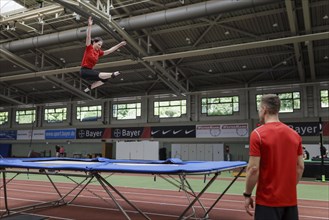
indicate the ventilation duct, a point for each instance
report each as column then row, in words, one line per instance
column 141, row 21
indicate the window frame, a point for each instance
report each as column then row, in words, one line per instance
column 33, row 116
column 64, row 115
column 116, row 107
column 91, row 118
column 158, row 104
column 5, row 116
column 322, row 97
column 293, row 100
column 233, row 102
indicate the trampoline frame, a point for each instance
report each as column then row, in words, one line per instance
column 179, row 180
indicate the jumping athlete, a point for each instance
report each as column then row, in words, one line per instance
column 90, row 57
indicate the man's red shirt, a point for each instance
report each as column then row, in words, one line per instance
column 278, row 147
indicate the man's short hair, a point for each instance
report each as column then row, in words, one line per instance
column 272, row 103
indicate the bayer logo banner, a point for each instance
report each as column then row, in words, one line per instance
column 130, row 133
column 237, row 130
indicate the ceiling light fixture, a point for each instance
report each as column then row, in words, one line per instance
column 325, row 17
column 325, row 57
column 188, row 40
column 244, row 67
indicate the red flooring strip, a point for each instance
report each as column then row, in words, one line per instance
column 157, row 204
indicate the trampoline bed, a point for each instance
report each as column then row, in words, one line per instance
column 173, row 170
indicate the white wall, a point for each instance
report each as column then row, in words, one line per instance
column 137, row 150
column 22, row 149
column 314, row 149
column 201, row 152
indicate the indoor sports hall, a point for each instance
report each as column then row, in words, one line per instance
column 164, row 109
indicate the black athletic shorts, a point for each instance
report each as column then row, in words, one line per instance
column 90, row 74
column 276, row 213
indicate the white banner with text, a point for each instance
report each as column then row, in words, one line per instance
column 238, row 130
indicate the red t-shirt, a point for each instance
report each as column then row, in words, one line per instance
column 90, row 57
column 278, row 147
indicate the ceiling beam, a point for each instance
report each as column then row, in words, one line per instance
column 238, row 47
column 297, row 47
column 10, row 100
column 245, row 72
column 308, row 30
column 51, row 9
column 280, row 64
column 62, row 84
column 64, row 70
column 16, row 60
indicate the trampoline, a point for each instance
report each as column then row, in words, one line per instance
column 174, row 171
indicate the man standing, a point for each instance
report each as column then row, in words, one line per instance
column 57, row 147
column 275, row 165
column 227, row 154
column 62, row 151
column 306, row 154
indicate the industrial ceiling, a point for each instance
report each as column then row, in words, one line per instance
column 174, row 47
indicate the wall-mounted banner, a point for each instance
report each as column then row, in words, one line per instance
column 8, row 135
column 133, row 132
column 173, row 132
column 60, row 134
column 305, row 128
column 222, row 130
column 28, row 135
column 93, row 133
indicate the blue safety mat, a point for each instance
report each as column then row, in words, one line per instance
column 169, row 166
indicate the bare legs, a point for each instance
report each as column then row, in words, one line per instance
column 102, row 75
column 96, row 84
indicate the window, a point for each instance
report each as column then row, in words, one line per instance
column 7, row 6
column 25, row 116
column 324, row 96
column 53, row 115
column 127, row 111
column 290, row 101
column 220, row 105
column 3, row 118
column 170, row 109
column 89, row 113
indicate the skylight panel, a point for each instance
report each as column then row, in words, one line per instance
column 8, row 6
